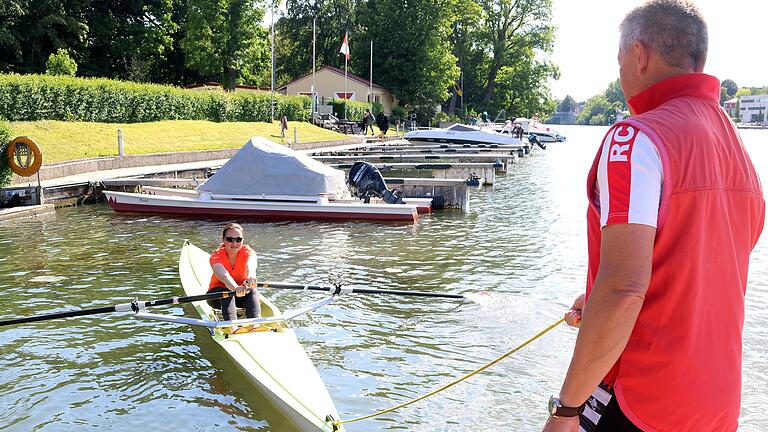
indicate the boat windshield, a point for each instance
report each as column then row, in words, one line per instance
column 461, row 128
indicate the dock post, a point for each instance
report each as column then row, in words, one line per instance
column 295, row 135
column 120, row 151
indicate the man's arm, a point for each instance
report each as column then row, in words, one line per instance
column 610, row 314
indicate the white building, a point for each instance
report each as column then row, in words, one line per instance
column 753, row 109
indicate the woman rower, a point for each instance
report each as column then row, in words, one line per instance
column 234, row 269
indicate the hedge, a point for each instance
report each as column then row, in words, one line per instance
column 5, row 139
column 355, row 109
column 43, row 97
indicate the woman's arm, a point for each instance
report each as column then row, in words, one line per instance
column 223, row 275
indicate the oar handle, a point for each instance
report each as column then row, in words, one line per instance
column 341, row 290
column 134, row 306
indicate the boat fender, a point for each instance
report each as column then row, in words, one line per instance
column 24, row 147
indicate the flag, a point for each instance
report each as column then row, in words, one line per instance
column 458, row 89
column 345, row 46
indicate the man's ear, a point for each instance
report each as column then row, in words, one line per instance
column 642, row 56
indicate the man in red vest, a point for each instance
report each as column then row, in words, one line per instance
column 675, row 209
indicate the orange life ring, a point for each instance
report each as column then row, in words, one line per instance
column 26, row 147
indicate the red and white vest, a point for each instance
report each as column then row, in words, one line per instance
column 681, row 369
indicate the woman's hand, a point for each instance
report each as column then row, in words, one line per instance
column 241, row 291
column 251, row 282
column 573, row 316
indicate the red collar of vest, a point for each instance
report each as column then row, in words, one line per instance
column 694, row 84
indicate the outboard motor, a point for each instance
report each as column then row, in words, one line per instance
column 368, row 181
column 534, row 140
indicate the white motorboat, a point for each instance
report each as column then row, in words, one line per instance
column 265, row 180
column 543, row 132
column 461, row 134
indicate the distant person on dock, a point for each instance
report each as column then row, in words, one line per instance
column 383, row 124
column 283, row 126
column 368, row 122
column 234, row 269
column 670, row 227
column 484, row 117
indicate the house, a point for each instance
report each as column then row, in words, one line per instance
column 329, row 83
column 753, row 109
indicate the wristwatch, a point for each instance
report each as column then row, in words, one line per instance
column 557, row 409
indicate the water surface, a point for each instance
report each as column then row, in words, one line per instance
column 524, row 241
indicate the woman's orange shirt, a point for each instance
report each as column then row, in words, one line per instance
column 239, row 271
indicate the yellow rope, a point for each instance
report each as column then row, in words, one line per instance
column 337, row 424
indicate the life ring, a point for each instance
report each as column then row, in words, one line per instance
column 24, row 147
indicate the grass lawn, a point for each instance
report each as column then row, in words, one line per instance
column 64, row 141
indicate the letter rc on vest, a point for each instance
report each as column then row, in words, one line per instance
column 623, row 134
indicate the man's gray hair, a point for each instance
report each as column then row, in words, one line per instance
column 674, row 29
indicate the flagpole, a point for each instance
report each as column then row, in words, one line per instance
column 314, row 98
column 346, row 61
column 272, row 98
column 370, row 81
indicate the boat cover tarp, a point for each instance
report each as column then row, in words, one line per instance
column 263, row 167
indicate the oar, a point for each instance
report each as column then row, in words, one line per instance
column 341, row 290
column 134, row 306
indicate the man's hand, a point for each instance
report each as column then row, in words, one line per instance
column 561, row 424
column 241, row 291
column 573, row 316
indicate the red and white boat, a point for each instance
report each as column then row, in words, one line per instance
column 268, row 181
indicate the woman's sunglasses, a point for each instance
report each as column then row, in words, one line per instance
column 234, row 239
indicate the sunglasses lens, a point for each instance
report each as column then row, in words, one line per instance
column 234, row 239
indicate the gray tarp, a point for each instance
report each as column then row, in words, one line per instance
column 265, row 167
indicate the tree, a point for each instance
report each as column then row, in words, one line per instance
column 730, row 86
column 33, row 29
column 128, row 39
column 224, row 38
column 412, row 48
column 513, row 30
column 568, row 104
column 614, row 94
column 294, row 36
column 597, row 111
column 60, row 64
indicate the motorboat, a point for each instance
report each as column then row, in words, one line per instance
column 462, row 134
column 266, row 180
column 542, row 132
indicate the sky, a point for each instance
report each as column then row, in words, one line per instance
column 587, row 43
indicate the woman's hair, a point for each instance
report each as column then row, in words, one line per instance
column 228, row 227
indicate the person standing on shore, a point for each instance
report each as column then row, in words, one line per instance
column 283, row 126
column 675, row 209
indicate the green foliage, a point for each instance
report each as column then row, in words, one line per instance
column 568, row 104
column 43, row 97
column 60, row 63
column 354, row 109
column 443, row 117
column 615, row 95
column 743, row 91
column 398, row 112
column 294, row 37
column 5, row 138
column 730, row 86
column 597, row 111
column 602, row 109
column 224, row 38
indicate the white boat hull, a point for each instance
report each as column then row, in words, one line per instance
column 273, row 361
column 320, row 209
column 461, row 134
